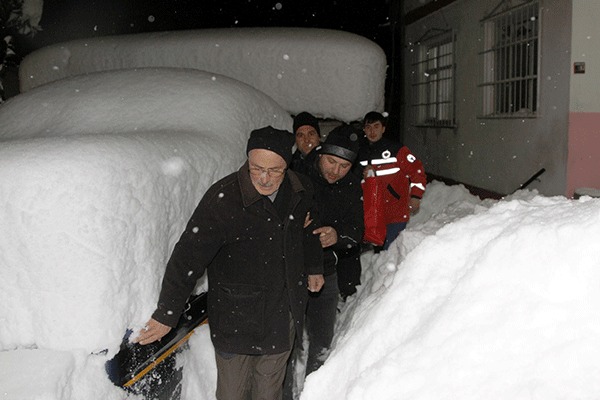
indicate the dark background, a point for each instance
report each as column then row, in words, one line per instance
column 64, row 20
column 72, row 19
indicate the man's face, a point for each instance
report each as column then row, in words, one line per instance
column 307, row 139
column 267, row 170
column 374, row 131
column 333, row 168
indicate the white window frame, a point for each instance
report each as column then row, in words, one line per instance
column 510, row 59
column 434, row 74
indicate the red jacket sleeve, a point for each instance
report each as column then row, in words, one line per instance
column 413, row 168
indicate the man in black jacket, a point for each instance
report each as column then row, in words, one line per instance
column 338, row 194
column 249, row 233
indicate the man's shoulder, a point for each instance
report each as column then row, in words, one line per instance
column 405, row 153
column 225, row 184
column 300, row 181
column 352, row 181
column 389, row 144
column 383, row 145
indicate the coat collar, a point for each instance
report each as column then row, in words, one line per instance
column 249, row 192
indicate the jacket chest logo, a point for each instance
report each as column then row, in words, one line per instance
column 384, row 164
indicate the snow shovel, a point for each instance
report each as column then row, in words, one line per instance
column 150, row 369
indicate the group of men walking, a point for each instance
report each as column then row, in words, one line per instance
column 280, row 240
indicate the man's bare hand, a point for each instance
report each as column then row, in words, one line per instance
column 414, row 204
column 153, row 331
column 369, row 171
column 307, row 220
column 315, row 282
column 327, row 235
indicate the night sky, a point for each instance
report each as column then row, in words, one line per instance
column 64, row 20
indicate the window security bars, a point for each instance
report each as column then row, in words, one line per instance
column 510, row 60
column 433, row 85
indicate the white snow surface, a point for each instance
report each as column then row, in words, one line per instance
column 100, row 173
column 493, row 299
column 476, row 299
column 329, row 73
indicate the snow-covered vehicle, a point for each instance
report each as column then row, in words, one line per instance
column 108, row 150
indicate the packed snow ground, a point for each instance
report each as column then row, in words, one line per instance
column 477, row 299
column 331, row 74
column 494, row 299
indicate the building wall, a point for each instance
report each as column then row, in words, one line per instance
column 498, row 154
column 584, row 122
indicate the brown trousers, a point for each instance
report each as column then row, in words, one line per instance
column 252, row 377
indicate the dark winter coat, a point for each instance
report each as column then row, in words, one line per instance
column 374, row 151
column 258, row 255
column 299, row 163
column 340, row 206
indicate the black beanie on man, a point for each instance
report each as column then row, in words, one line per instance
column 342, row 142
column 276, row 140
column 305, row 118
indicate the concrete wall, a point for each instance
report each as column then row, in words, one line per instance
column 498, row 154
column 584, row 121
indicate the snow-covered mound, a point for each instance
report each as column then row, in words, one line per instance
column 328, row 73
column 481, row 300
column 140, row 100
column 100, row 173
column 493, row 299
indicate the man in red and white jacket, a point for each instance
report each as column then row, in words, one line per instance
column 399, row 174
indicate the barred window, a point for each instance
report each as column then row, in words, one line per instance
column 433, row 84
column 510, row 59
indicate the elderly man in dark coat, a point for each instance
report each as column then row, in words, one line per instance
column 249, row 233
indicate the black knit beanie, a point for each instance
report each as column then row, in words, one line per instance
column 305, row 118
column 275, row 140
column 342, row 142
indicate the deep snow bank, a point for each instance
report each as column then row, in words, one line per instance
column 478, row 300
column 328, row 73
column 96, row 188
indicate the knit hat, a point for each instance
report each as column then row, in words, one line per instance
column 342, row 142
column 275, row 140
column 305, row 118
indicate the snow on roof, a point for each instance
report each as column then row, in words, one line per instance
column 326, row 72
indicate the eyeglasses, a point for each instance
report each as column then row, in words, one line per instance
column 272, row 172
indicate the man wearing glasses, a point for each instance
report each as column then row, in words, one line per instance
column 249, row 233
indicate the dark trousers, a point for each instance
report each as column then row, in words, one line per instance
column 393, row 230
column 252, row 377
column 348, row 271
column 321, row 311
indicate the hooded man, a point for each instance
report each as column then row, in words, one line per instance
column 248, row 232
